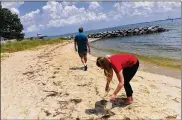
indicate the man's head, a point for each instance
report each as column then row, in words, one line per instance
column 80, row 29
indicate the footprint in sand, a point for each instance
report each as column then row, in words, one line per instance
column 144, row 89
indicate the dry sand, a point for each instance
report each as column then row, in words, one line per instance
column 49, row 83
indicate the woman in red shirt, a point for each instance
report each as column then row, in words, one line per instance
column 125, row 67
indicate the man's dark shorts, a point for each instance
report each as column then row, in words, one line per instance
column 82, row 54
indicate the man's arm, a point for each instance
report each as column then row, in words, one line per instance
column 88, row 45
column 75, row 43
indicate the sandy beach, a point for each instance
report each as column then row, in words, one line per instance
column 49, row 83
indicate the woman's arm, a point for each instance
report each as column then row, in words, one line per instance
column 121, row 82
column 120, row 85
column 109, row 78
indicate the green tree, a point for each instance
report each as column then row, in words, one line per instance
column 10, row 25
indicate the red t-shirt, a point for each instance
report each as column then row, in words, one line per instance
column 121, row 61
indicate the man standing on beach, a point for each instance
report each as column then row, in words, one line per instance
column 81, row 41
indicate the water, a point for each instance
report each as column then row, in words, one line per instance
column 165, row 44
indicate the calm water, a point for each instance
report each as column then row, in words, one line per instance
column 165, row 44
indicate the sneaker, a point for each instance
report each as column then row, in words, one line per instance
column 85, row 68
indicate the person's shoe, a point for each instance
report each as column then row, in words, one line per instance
column 85, row 68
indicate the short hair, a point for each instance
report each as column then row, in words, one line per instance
column 80, row 29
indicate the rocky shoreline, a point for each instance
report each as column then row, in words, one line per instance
column 129, row 32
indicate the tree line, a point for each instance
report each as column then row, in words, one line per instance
column 10, row 25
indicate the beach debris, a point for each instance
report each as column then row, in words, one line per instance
column 29, row 73
column 57, row 113
column 57, row 68
column 55, row 72
column 126, row 118
column 108, row 114
column 76, row 101
column 52, row 94
column 141, row 77
column 82, row 85
column 77, row 118
column 57, row 83
column 171, row 117
column 47, row 113
column 43, row 83
column 53, row 77
column 96, row 90
column 176, row 100
column 105, row 116
column 108, row 105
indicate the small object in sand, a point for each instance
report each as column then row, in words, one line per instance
column 92, row 111
column 77, row 118
column 108, row 114
column 76, row 101
column 171, row 117
column 47, row 112
column 105, row 116
column 108, row 105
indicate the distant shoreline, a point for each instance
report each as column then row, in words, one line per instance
column 56, row 36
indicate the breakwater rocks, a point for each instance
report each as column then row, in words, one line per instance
column 129, row 32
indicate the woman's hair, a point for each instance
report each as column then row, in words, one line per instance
column 106, row 65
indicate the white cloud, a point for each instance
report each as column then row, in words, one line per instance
column 13, row 6
column 32, row 28
column 143, row 8
column 133, row 8
column 30, row 18
column 166, row 6
column 94, row 6
column 31, row 21
column 60, row 14
column 67, row 3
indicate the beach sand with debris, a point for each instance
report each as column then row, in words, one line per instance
column 50, row 83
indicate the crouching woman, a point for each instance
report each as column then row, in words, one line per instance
column 125, row 66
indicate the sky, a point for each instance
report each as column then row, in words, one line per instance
column 57, row 18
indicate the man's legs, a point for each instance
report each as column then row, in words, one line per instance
column 83, row 57
column 85, row 60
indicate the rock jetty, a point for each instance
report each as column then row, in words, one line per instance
column 129, row 32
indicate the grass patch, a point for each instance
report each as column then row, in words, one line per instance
column 161, row 61
column 15, row 46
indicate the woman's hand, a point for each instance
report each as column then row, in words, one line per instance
column 112, row 98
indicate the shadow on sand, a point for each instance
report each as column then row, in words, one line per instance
column 100, row 107
column 77, row 68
